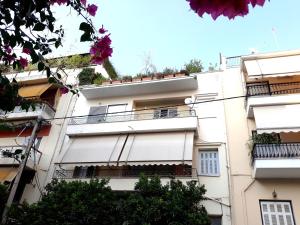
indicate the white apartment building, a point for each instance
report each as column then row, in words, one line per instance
column 263, row 132
column 151, row 126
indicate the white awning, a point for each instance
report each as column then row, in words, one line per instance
column 276, row 66
column 95, row 150
column 278, row 118
column 158, row 149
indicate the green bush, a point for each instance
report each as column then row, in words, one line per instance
column 94, row 203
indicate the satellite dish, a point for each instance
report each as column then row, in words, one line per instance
column 188, row 101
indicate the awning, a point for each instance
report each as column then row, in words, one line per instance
column 7, row 174
column 95, row 150
column 278, row 118
column 158, row 149
column 276, row 66
column 33, row 90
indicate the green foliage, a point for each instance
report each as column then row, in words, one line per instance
column 265, row 138
column 94, row 203
column 194, row 66
column 168, row 71
column 110, row 69
column 88, row 76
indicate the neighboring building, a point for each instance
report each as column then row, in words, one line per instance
column 263, row 133
column 16, row 128
column 121, row 130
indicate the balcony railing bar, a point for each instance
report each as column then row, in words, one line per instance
column 283, row 150
column 124, row 173
column 272, row 89
column 233, row 61
column 128, row 116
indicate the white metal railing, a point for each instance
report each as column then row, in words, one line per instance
column 130, row 116
column 39, row 109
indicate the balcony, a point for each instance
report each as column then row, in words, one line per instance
column 32, row 160
column 276, row 160
column 133, row 122
column 43, row 110
column 264, row 95
column 141, row 87
column 126, row 178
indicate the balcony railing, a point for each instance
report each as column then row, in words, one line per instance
column 130, row 116
column 123, row 173
column 272, row 89
column 233, row 61
column 39, row 109
column 283, row 150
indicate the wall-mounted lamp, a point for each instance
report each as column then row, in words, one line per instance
column 274, row 194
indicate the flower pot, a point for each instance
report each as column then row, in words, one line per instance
column 116, row 82
column 146, row 78
column 179, row 75
column 107, row 82
column 169, row 76
column 136, row 79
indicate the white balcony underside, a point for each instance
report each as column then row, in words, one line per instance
column 277, row 168
column 140, row 126
column 138, row 88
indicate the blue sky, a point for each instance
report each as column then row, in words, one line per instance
column 171, row 34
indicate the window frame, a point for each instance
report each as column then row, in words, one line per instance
column 157, row 113
column 276, row 201
column 208, row 150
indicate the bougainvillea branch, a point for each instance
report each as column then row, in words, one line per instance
column 29, row 32
column 227, row 8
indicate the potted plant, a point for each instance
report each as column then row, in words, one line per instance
column 106, row 82
column 158, row 76
column 146, row 77
column 169, row 75
column 127, row 79
column 118, row 81
column 137, row 78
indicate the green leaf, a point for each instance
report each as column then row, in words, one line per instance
column 48, row 71
column 41, row 66
column 18, row 151
column 39, row 27
column 51, row 80
column 58, row 75
column 86, row 27
column 85, row 37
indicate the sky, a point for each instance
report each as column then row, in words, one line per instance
column 170, row 34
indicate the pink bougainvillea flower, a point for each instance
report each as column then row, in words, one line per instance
column 64, row 90
column 26, row 51
column 9, row 58
column 23, row 62
column 228, row 8
column 102, row 30
column 101, row 50
column 7, row 49
column 92, row 9
column 83, row 2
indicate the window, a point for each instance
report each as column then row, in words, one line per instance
column 116, row 112
column 209, row 163
column 165, row 113
column 107, row 113
column 277, row 213
column 215, row 220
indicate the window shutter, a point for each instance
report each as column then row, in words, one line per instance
column 156, row 114
column 99, row 112
column 173, row 112
column 277, row 213
column 209, row 163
